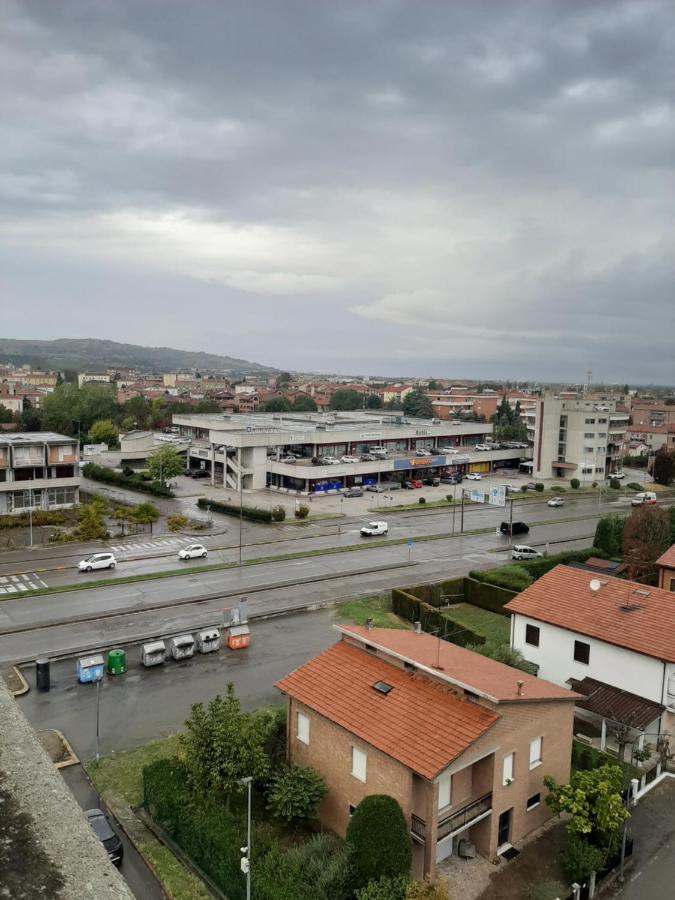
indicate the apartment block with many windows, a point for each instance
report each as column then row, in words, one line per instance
column 38, row 470
column 460, row 741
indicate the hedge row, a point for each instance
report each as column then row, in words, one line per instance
column 229, row 509
column 133, row 482
column 510, row 577
column 409, row 607
column 487, row 596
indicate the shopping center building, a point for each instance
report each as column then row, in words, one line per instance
column 251, row 452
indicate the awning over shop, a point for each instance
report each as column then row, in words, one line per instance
column 564, row 465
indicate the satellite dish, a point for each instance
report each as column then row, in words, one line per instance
column 595, row 584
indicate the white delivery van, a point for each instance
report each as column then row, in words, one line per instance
column 644, row 498
column 373, row 528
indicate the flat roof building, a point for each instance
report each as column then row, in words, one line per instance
column 38, row 470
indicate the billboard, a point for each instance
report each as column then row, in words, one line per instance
column 476, row 495
column 416, row 462
column 497, row 495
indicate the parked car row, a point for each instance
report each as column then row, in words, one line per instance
column 108, row 561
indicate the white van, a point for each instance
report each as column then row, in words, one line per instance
column 373, row 528
column 380, row 452
column 644, row 498
column 97, row 561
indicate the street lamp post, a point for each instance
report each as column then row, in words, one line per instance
column 241, row 509
column 98, row 718
column 30, row 516
column 246, row 860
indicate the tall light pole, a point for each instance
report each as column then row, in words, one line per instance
column 98, row 717
column 241, row 507
column 30, row 515
column 246, row 860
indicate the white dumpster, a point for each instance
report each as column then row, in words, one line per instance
column 208, row 640
column 182, row 647
column 153, row 654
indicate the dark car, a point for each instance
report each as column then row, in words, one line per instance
column 103, row 831
column 516, row 528
column 317, row 461
column 201, row 473
column 353, row 492
column 407, row 485
column 432, row 481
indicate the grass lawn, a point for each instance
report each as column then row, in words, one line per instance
column 377, row 608
column 122, row 772
column 493, row 627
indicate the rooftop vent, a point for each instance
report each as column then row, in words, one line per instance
column 630, row 607
column 382, row 687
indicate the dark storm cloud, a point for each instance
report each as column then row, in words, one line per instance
column 478, row 187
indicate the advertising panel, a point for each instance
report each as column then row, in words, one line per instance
column 497, row 495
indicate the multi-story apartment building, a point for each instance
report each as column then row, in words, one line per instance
column 38, row 470
column 460, row 741
column 652, row 413
column 93, row 378
column 578, row 438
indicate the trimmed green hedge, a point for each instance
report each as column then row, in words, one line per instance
column 510, row 576
column 133, row 482
column 491, row 597
column 407, row 606
column 229, row 509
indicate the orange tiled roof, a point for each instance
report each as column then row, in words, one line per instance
column 563, row 597
column 418, row 723
column 497, row 681
column 668, row 558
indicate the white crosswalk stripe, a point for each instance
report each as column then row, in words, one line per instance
column 147, row 545
column 31, row 582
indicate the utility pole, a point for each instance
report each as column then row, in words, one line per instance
column 241, row 508
column 98, row 718
column 461, row 521
column 454, row 505
column 511, row 520
column 30, row 515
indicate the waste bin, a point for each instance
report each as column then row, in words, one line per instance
column 238, row 637
column 42, row 680
column 90, row 668
column 117, row 662
column 153, row 654
column 182, row 647
column 208, row 640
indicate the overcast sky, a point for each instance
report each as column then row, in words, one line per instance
column 453, row 188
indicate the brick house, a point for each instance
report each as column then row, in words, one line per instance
column 666, row 565
column 460, row 741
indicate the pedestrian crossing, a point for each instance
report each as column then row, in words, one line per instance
column 149, row 545
column 20, row 584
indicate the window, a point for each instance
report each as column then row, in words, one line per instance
column 535, row 753
column 352, row 809
column 359, row 764
column 582, row 652
column 533, row 802
column 590, row 435
column 507, row 769
column 602, row 421
column 589, row 421
column 444, row 792
column 532, row 635
column 303, row 728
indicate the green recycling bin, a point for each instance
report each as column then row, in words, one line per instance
column 117, row 662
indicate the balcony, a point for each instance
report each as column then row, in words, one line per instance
column 454, row 821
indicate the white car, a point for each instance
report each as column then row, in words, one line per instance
column 618, row 475
column 522, row 551
column 556, row 501
column 423, row 452
column 373, row 528
column 474, row 476
column 97, row 561
column 330, row 460
column 448, row 450
column 482, row 447
column 349, row 459
column 194, row 551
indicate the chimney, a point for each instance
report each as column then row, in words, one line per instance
column 519, row 691
column 369, row 624
column 417, row 627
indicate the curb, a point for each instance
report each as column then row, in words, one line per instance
column 25, row 687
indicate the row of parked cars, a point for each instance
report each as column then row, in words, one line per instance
column 108, row 560
column 375, row 453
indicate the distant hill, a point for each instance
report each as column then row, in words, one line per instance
column 91, row 354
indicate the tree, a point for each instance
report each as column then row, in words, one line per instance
column 295, row 792
column 103, row 432
column 346, row 399
column 433, row 385
column 222, row 744
column 417, row 404
column 128, row 423
column 6, row 415
column 378, row 840
column 304, row 403
column 283, row 379
column 70, row 409
column 664, row 466
column 138, row 410
column 609, row 535
column 426, row 890
column 384, row 888
column 276, row 405
column 145, row 514
column 646, row 535
column 373, row 401
column 91, row 526
column 575, row 484
column 164, row 463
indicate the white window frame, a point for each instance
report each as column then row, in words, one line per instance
column 302, row 728
column 536, row 746
column 444, row 786
column 507, row 769
column 359, row 764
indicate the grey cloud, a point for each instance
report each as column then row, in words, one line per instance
column 506, row 167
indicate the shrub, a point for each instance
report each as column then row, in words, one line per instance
column 634, row 486
column 177, row 523
column 614, row 483
column 558, row 490
column 426, row 890
column 384, row 888
column 575, row 484
column 278, row 513
column 315, row 870
column 295, row 792
column 580, row 858
column 127, row 471
column 229, row 509
column 134, row 482
column 449, row 498
column 585, row 760
column 609, row 534
column 422, row 500
column 539, row 487
column 302, row 511
column 378, row 840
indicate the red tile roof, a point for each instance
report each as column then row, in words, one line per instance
column 563, row 597
column 612, row 703
column 418, row 723
column 668, row 558
column 496, row 681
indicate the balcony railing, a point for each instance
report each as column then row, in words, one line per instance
column 418, row 829
column 463, row 817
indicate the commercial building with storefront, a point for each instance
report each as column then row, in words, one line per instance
column 38, row 470
column 253, row 451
